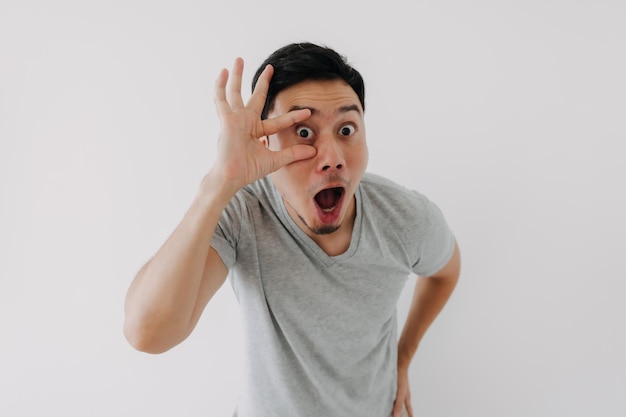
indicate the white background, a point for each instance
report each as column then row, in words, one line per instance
column 509, row 115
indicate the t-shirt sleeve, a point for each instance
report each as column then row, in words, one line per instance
column 437, row 244
column 227, row 232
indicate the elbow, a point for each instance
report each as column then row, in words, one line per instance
column 144, row 340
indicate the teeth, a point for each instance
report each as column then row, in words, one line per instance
column 328, row 210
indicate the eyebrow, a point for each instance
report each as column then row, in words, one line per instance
column 340, row 110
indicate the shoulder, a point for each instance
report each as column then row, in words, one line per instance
column 387, row 195
column 405, row 211
column 251, row 208
column 256, row 203
column 407, row 217
column 258, row 193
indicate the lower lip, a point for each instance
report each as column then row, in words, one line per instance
column 330, row 217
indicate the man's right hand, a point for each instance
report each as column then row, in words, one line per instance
column 167, row 296
column 241, row 157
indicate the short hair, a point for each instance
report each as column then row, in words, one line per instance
column 298, row 62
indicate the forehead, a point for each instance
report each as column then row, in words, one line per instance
column 325, row 96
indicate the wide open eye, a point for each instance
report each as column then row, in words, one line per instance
column 304, row 132
column 346, row 130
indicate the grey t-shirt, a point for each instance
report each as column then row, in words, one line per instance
column 321, row 331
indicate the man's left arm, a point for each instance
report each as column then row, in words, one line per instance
column 430, row 295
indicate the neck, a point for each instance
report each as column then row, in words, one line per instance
column 337, row 242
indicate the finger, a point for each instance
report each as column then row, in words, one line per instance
column 292, row 154
column 219, row 95
column 399, row 403
column 397, row 409
column 409, row 409
column 259, row 95
column 234, row 85
column 276, row 124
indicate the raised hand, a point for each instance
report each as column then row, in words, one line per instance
column 241, row 157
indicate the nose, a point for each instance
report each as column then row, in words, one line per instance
column 329, row 154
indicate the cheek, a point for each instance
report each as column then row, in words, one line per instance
column 359, row 157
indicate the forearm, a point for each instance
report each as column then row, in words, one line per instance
column 429, row 298
column 162, row 298
column 169, row 293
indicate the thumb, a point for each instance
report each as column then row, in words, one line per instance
column 292, row 154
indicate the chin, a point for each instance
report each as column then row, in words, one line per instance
column 320, row 229
column 325, row 229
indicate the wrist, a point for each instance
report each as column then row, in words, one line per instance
column 221, row 183
column 216, row 191
column 404, row 360
column 403, row 368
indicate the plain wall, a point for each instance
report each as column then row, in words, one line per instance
column 509, row 115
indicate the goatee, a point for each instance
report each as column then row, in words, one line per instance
column 321, row 230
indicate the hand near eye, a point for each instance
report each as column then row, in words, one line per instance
column 241, row 157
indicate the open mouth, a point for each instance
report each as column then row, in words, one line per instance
column 328, row 198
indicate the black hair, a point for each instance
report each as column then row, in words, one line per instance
column 298, row 62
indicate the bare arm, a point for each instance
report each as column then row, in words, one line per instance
column 429, row 298
column 167, row 296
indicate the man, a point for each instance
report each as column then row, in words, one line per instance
column 318, row 251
